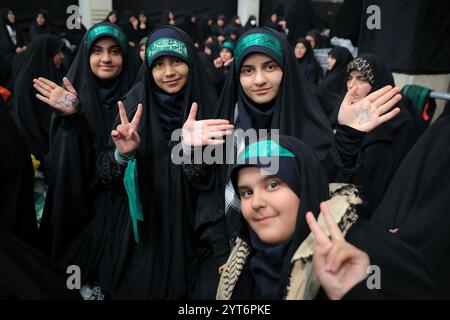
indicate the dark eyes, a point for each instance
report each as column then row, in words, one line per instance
column 272, row 185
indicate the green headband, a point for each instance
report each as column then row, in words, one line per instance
column 228, row 45
column 258, row 39
column 264, row 149
column 106, row 31
column 167, row 45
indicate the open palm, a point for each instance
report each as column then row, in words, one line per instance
column 204, row 132
column 63, row 100
column 368, row 113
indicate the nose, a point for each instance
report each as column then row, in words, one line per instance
column 106, row 57
column 169, row 71
column 260, row 78
column 258, row 201
column 351, row 83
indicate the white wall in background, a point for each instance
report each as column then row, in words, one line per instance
column 94, row 11
column 247, row 8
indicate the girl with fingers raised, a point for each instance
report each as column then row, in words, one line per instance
column 169, row 255
column 272, row 256
column 268, row 91
column 84, row 111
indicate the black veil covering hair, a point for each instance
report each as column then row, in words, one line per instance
column 309, row 181
column 335, row 79
column 47, row 27
column 416, row 203
column 168, row 261
column 6, row 44
column 309, row 64
column 34, row 115
column 384, row 147
column 17, row 214
column 76, row 142
column 296, row 111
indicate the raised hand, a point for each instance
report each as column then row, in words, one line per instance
column 339, row 266
column 64, row 101
column 126, row 137
column 218, row 63
column 227, row 63
column 204, row 132
column 370, row 112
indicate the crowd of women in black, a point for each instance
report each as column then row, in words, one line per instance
column 141, row 226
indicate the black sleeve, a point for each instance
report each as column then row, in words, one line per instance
column 109, row 170
column 344, row 158
column 403, row 272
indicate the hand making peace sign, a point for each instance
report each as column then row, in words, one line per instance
column 125, row 136
column 339, row 266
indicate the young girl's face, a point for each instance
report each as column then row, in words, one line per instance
column 300, row 50
column 170, row 74
column 106, row 59
column 269, row 206
column 260, row 77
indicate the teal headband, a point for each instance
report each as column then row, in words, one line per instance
column 258, row 39
column 228, row 45
column 264, row 149
column 104, row 30
column 164, row 46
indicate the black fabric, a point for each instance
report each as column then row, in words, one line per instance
column 235, row 28
column 125, row 23
column 27, row 274
column 35, row 116
column 416, row 201
column 414, row 260
column 346, row 23
column 17, row 214
column 335, row 81
column 170, row 261
column 308, row 63
column 405, row 272
column 7, row 47
column 47, row 27
column 76, row 142
column 269, row 266
column 417, row 26
column 383, row 148
column 192, row 28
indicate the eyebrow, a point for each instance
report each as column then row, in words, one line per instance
column 96, row 46
column 264, row 64
column 262, row 178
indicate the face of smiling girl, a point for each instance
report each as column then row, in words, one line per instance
column 268, row 205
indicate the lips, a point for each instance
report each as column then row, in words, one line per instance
column 261, row 91
column 172, row 82
column 108, row 68
column 263, row 219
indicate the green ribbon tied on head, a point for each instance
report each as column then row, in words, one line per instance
column 103, row 30
column 130, row 182
column 264, row 149
column 166, row 45
column 258, row 39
